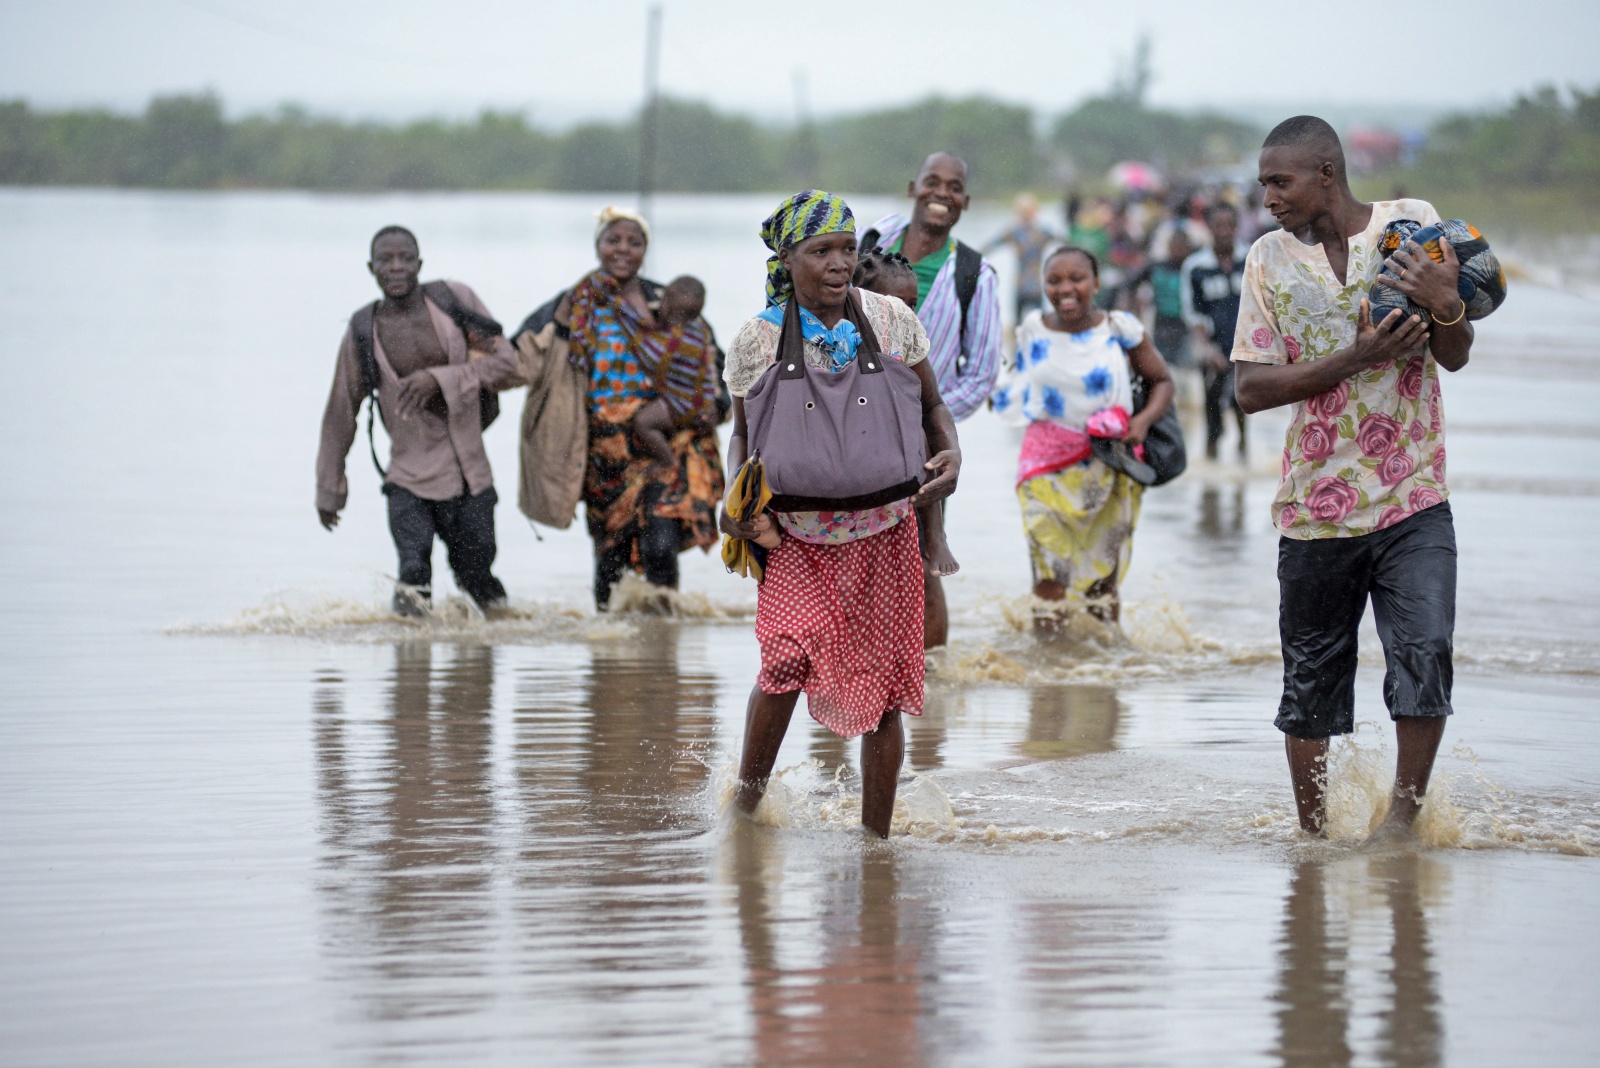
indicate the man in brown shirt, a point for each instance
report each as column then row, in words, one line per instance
column 438, row 480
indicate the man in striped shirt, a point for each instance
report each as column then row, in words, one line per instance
column 963, row 343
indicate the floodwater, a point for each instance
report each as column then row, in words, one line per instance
column 249, row 818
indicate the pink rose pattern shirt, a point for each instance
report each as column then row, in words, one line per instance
column 1369, row 452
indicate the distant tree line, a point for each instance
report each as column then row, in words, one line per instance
column 1543, row 141
column 186, row 142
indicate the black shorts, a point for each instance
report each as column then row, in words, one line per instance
column 1409, row 571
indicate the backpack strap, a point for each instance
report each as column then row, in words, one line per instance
column 969, row 264
column 469, row 323
column 466, row 320
column 361, row 327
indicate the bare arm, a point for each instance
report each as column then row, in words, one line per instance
column 1260, row 386
column 940, row 427
column 1148, row 364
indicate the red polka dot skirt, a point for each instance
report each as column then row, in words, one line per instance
column 844, row 624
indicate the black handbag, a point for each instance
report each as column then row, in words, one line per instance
column 1165, row 456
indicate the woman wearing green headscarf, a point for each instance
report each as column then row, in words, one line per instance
column 839, row 608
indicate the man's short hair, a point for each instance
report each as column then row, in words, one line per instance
column 1222, row 205
column 966, row 171
column 1307, row 131
column 393, row 229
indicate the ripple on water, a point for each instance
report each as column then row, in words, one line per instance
column 1141, row 796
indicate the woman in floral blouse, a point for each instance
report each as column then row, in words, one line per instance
column 1069, row 381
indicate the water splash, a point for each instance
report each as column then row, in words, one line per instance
column 632, row 594
column 453, row 619
column 807, row 795
column 1155, row 639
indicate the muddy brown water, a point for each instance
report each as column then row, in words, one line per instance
column 249, row 818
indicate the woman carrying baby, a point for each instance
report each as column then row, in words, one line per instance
column 640, row 344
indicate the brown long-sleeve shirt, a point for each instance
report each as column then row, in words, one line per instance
column 435, row 458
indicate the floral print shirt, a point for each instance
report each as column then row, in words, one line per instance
column 755, row 346
column 1369, row 452
column 1067, row 378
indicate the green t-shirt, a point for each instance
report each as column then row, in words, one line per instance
column 928, row 267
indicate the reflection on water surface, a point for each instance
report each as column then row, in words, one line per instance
column 308, row 833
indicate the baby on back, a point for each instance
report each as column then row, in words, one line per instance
column 682, row 301
column 891, row 274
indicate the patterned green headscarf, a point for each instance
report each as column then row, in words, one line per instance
column 801, row 216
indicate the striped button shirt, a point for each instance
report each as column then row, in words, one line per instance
column 966, row 389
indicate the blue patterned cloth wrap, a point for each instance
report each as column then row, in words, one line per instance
column 1482, row 284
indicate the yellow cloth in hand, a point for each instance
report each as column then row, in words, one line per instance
column 748, row 496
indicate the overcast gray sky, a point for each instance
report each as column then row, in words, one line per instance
column 564, row 61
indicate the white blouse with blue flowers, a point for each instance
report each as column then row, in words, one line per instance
column 1066, row 378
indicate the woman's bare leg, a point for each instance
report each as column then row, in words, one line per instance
column 766, row 721
column 883, row 750
column 1109, row 608
column 1048, row 590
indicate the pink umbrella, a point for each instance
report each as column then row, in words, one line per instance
column 1136, row 177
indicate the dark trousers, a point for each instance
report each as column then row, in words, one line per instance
column 466, row 526
column 1408, row 572
column 660, row 541
column 1220, row 395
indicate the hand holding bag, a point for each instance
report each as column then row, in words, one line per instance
column 841, row 440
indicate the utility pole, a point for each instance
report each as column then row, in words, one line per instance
column 803, row 149
column 649, row 118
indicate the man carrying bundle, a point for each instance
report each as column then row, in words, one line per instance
column 1361, row 508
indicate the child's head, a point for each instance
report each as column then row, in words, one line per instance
column 1179, row 245
column 888, row 273
column 683, row 300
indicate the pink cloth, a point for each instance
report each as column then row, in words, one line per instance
column 1049, row 447
column 1110, row 423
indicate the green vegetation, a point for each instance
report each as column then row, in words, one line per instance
column 1536, row 162
column 1534, row 165
column 185, row 142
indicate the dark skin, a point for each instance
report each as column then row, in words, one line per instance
column 1307, row 192
column 939, row 196
column 404, row 328
column 620, row 249
column 1070, row 283
column 938, row 561
column 822, row 267
column 1224, row 226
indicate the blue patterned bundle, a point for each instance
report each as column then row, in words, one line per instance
column 1482, row 284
